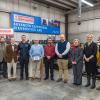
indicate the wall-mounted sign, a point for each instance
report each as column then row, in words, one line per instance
column 6, row 32
column 32, row 24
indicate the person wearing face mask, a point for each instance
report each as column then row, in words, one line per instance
column 90, row 51
column 49, row 52
column 76, row 54
column 11, row 58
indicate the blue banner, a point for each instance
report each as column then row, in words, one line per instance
column 33, row 24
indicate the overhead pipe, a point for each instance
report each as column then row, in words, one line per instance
column 79, row 8
column 79, row 11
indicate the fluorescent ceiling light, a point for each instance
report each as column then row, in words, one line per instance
column 88, row 3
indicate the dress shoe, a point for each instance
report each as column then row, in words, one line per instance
column 98, row 88
column 52, row 79
column 45, row 78
column 65, row 81
column 59, row 80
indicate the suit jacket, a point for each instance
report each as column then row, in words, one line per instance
column 90, row 50
column 77, row 55
column 11, row 53
column 2, row 51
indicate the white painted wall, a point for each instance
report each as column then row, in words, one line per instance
column 26, row 7
column 90, row 26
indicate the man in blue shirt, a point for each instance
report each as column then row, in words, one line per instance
column 36, row 54
column 23, row 49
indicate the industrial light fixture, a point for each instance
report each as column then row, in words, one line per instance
column 88, row 3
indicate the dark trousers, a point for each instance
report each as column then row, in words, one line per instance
column 3, row 68
column 77, row 71
column 24, row 67
column 49, row 65
column 91, row 69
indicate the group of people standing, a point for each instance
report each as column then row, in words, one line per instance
column 31, row 59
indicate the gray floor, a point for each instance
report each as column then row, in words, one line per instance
column 46, row 90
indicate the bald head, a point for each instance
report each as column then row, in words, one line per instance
column 62, row 37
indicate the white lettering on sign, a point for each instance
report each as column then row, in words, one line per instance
column 6, row 31
column 23, row 19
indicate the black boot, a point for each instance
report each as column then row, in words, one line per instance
column 93, row 83
column 88, row 81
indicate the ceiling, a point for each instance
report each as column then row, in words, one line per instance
column 65, row 4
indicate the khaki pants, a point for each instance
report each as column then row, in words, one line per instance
column 63, row 68
column 34, row 69
column 42, row 69
column 9, row 66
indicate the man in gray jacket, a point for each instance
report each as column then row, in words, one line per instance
column 3, row 66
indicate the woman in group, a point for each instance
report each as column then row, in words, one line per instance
column 90, row 51
column 76, row 54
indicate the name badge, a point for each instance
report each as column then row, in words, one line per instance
column 36, row 58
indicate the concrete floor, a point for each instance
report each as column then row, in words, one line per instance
column 46, row 90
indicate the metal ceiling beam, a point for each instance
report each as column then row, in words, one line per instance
column 58, row 4
column 75, row 1
column 96, row 6
column 51, row 4
column 68, row 3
